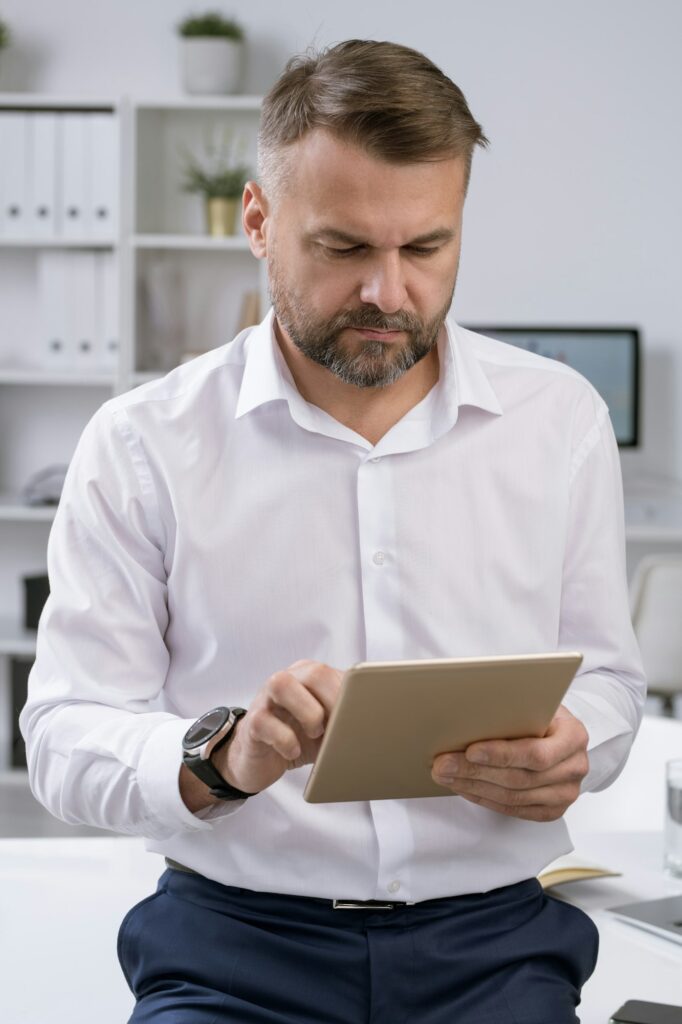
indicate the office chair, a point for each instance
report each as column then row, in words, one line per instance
column 656, row 607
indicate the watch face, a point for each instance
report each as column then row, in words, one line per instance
column 205, row 727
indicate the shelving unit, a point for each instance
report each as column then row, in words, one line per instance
column 179, row 290
column 186, row 287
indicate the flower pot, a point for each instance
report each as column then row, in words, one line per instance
column 211, row 66
column 221, row 216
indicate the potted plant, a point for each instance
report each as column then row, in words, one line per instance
column 211, row 54
column 220, row 179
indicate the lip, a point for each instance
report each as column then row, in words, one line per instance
column 367, row 332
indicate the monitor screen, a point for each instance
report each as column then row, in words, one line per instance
column 607, row 357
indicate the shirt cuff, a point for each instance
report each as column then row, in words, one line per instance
column 610, row 737
column 158, row 776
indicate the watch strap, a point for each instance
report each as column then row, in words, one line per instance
column 208, row 773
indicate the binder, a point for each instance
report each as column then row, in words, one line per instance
column 72, row 205
column 102, row 172
column 13, row 175
column 41, row 212
column 107, row 341
column 83, row 311
column 54, row 352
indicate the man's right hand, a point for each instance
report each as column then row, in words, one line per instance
column 283, row 727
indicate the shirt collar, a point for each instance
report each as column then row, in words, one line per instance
column 265, row 377
column 464, row 373
column 462, row 380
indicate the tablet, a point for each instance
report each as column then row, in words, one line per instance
column 391, row 718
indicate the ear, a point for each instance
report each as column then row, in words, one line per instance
column 255, row 212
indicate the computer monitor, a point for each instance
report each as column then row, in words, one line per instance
column 607, row 356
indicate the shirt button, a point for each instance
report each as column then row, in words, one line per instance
column 376, row 459
column 378, row 557
column 394, row 887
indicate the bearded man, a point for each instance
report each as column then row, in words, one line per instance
column 358, row 478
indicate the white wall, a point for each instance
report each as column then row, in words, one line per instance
column 575, row 212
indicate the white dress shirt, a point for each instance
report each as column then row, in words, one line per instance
column 215, row 527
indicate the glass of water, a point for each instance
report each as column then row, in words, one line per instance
column 673, row 818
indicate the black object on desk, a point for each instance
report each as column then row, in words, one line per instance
column 637, row 1012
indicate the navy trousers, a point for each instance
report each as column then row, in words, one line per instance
column 197, row 952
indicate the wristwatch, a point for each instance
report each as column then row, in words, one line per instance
column 200, row 742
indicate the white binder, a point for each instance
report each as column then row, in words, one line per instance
column 42, row 192
column 73, row 203
column 54, row 352
column 13, row 175
column 107, row 336
column 102, row 172
column 83, row 311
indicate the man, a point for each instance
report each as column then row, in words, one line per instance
column 356, row 479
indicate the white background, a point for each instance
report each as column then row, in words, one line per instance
column 574, row 213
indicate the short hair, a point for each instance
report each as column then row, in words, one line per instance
column 388, row 99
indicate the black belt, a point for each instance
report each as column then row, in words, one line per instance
column 336, row 904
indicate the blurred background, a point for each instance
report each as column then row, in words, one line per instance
column 127, row 130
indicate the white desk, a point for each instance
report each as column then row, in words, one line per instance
column 62, row 901
column 633, row 964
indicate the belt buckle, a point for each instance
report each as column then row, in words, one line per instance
column 365, row 905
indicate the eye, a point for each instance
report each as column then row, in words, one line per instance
column 422, row 250
column 344, row 252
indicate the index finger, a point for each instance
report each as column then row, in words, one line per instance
column 563, row 738
column 321, row 680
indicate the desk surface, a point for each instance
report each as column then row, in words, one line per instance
column 633, row 964
column 63, row 900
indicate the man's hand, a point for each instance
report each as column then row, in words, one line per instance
column 283, row 727
column 534, row 779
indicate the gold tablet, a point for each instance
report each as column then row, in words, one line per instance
column 393, row 717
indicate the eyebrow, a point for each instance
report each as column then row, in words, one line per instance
column 334, row 235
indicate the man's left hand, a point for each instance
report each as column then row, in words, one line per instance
column 534, row 779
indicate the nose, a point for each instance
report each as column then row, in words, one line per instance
column 384, row 284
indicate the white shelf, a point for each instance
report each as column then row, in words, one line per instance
column 11, row 510
column 9, row 375
column 57, row 243
column 184, row 102
column 206, row 243
column 51, row 101
column 16, row 641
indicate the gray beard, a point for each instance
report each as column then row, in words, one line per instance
column 378, row 364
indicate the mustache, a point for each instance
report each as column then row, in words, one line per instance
column 375, row 320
